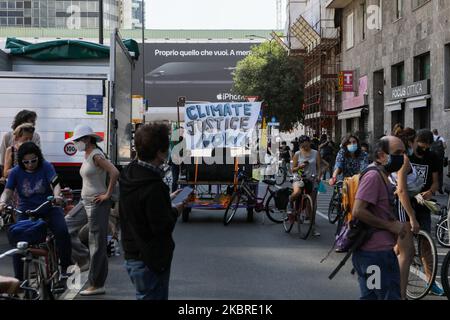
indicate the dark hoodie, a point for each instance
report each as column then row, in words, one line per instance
column 147, row 217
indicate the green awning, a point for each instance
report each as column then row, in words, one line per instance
column 64, row 49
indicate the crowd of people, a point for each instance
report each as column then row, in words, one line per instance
column 399, row 166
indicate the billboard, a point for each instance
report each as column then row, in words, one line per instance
column 203, row 72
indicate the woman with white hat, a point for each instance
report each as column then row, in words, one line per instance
column 96, row 197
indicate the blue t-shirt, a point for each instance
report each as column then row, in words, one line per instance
column 33, row 188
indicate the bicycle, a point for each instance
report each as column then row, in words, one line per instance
column 442, row 233
column 418, row 282
column 41, row 257
column 304, row 213
column 32, row 290
column 245, row 197
column 335, row 212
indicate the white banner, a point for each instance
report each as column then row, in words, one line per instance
column 220, row 125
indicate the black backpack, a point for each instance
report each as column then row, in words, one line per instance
column 438, row 148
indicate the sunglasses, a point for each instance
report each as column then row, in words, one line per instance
column 32, row 161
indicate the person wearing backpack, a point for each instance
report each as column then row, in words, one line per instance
column 439, row 146
column 96, row 198
column 374, row 208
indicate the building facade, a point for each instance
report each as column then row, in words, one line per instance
column 131, row 14
column 58, row 13
column 399, row 53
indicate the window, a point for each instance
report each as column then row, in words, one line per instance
column 399, row 9
column 350, row 36
column 380, row 12
column 3, row 5
column 422, row 67
column 447, row 77
column 398, row 75
column 19, row 5
column 363, row 20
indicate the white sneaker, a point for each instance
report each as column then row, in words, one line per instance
column 93, row 292
column 316, row 233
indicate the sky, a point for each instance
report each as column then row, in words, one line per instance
column 212, row 14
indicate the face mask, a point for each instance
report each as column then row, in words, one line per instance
column 352, row 148
column 421, row 152
column 395, row 162
column 80, row 145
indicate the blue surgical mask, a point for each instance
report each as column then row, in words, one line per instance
column 352, row 148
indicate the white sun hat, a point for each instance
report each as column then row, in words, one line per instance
column 81, row 131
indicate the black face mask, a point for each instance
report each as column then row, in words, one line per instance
column 421, row 152
column 395, row 162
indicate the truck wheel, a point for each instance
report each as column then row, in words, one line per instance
column 185, row 215
column 249, row 214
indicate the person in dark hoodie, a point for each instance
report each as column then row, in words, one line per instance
column 148, row 218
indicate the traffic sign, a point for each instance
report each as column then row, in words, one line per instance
column 273, row 124
column 70, row 149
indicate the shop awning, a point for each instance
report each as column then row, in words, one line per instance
column 350, row 114
column 394, row 105
column 418, row 102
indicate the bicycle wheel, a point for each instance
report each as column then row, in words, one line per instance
column 442, row 232
column 274, row 213
column 334, row 208
column 445, row 275
column 232, row 207
column 288, row 221
column 280, row 177
column 306, row 217
column 418, row 282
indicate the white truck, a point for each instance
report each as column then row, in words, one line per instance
column 66, row 93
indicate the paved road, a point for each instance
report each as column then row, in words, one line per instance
column 242, row 261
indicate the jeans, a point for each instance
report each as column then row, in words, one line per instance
column 149, row 285
column 57, row 224
column 373, row 286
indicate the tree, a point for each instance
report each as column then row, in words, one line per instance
column 268, row 72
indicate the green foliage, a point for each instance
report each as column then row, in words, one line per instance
column 268, row 72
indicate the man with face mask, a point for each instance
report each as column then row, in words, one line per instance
column 147, row 214
column 373, row 206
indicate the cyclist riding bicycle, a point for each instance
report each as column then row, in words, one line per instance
column 306, row 167
column 350, row 160
column 34, row 180
column 285, row 155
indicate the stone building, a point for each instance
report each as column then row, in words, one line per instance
column 399, row 52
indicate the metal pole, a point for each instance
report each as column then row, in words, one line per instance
column 143, row 56
column 100, row 21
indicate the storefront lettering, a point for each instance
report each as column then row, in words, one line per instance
column 415, row 89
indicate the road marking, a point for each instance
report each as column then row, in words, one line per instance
column 321, row 215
